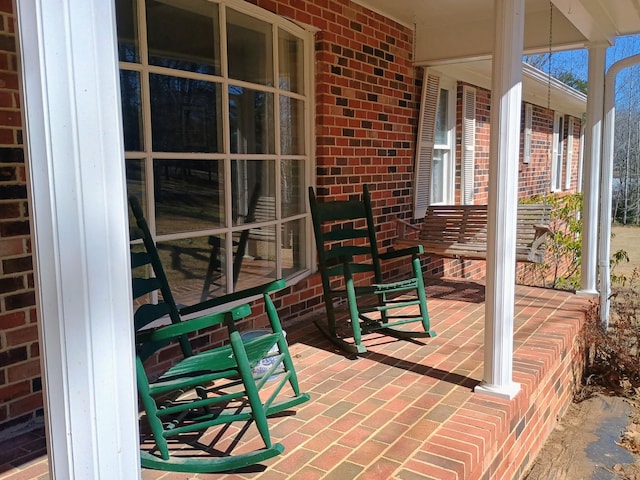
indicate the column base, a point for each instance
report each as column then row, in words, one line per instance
column 507, row 392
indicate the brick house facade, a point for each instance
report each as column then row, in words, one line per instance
column 20, row 380
column 367, row 102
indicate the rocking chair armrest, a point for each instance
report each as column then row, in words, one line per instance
column 390, row 254
column 235, row 296
column 188, row 326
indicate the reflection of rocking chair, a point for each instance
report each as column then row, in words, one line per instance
column 240, row 248
column 348, row 248
column 184, row 403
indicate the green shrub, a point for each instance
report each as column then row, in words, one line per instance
column 561, row 268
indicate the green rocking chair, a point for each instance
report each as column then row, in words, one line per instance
column 345, row 237
column 192, row 403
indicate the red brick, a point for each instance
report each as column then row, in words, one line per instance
column 20, row 336
column 14, row 391
column 23, row 371
column 25, row 405
column 13, row 319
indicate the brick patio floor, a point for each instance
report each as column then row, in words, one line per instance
column 406, row 409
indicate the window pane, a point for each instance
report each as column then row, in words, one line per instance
column 185, row 114
column 437, row 176
column 258, row 264
column 251, row 121
column 292, row 182
column 249, row 49
column 442, row 118
column 253, row 191
column 186, row 263
column 136, row 183
column 131, row 110
column 291, row 126
column 293, row 247
column 290, row 59
column 189, row 195
column 127, row 25
column 184, row 35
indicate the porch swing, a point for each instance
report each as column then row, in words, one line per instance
column 460, row 231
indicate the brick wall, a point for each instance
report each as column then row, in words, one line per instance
column 367, row 100
column 20, row 384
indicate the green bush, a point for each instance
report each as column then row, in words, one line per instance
column 561, row 268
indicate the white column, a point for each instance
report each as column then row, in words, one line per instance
column 506, row 98
column 76, row 165
column 592, row 155
column 606, row 184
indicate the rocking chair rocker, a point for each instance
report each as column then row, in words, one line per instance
column 346, row 249
column 184, row 402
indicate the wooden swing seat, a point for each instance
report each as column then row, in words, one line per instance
column 460, row 231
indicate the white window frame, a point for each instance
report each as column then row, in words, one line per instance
column 147, row 155
column 569, row 162
column 557, row 155
column 448, row 148
column 528, row 132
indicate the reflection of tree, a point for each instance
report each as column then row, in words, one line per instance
column 131, row 110
column 171, row 97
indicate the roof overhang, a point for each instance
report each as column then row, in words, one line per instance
column 536, row 87
column 449, row 31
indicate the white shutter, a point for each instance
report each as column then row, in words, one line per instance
column 425, row 142
column 567, row 178
column 528, row 132
column 468, row 143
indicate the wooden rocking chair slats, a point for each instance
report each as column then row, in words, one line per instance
column 211, row 388
column 345, row 236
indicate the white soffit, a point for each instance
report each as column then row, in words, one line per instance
column 451, row 30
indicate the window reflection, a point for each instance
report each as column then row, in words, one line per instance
column 184, row 35
column 127, row 22
column 189, row 195
column 293, row 248
column 442, row 120
column 291, row 65
column 253, row 191
column 291, row 126
column 292, row 181
column 211, row 188
column 249, row 49
column 251, row 121
column 131, row 110
column 190, row 260
column 184, row 114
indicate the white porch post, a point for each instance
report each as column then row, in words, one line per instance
column 606, row 184
column 506, row 98
column 591, row 190
column 75, row 150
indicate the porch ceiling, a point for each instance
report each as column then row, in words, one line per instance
column 451, row 30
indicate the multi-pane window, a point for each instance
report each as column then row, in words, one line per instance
column 435, row 148
column 443, row 150
column 558, row 152
column 216, row 115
